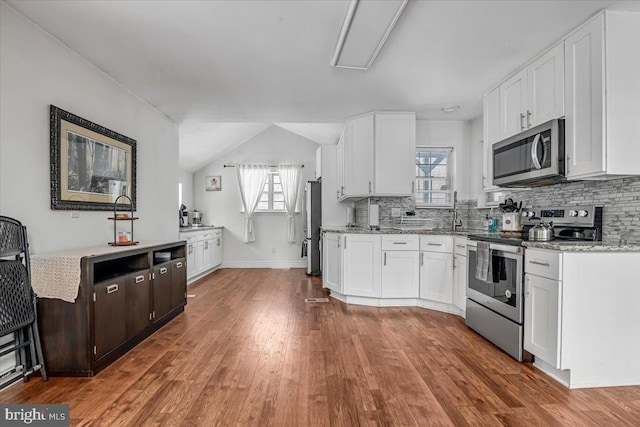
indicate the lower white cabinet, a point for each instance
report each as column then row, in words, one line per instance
column 436, row 276
column 542, row 318
column 204, row 251
column 332, row 262
column 400, row 274
column 361, row 266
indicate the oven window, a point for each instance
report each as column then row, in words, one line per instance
column 502, row 286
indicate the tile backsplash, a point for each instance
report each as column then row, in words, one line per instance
column 620, row 199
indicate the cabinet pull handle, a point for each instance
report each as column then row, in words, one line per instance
column 342, row 191
column 399, row 243
column 544, row 264
column 435, row 244
column 179, row 265
column 140, row 278
column 345, row 242
column 528, row 119
column 522, row 121
column 413, row 185
column 338, row 241
column 163, row 270
column 337, row 194
column 219, row 241
column 369, row 187
column 112, row 288
column 460, row 246
column 421, row 258
column 385, row 258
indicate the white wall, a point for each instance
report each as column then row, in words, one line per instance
column 35, row 71
column 449, row 134
column 273, row 146
column 186, row 179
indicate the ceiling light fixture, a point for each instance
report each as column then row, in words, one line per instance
column 450, row 108
column 363, row 34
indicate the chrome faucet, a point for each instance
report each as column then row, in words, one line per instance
column 456, row 223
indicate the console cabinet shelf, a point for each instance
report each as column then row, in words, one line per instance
column 123, row 298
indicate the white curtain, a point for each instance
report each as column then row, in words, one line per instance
column 290, row 180
column 251, row 180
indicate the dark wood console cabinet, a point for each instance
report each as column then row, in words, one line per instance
column 123, row 298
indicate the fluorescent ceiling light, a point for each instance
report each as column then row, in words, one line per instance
column 366, row 28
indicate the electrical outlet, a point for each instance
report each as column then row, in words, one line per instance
column 395, row 212
column 273, row 250
column 75, row 214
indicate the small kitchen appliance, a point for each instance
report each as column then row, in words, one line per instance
column 195, row 218
column 511, row 222
column 183, row 216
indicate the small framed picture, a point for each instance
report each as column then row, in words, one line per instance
column 214, row 183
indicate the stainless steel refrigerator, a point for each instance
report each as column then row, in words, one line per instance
column 313, row 212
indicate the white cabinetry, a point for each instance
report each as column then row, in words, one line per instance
column 361, row 265
column 332, row 262
column 376, row 155
column 603, row 97
column 204, row 251
column 491, row 135
column 534, row 95
column 460, row 273
column 400, row 271
column 436, row 268
column 542, row 318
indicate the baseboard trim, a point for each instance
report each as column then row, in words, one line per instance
column 265, row 264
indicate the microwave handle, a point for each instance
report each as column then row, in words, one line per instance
column 534, row 152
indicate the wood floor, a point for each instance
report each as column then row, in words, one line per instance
column 249, row 351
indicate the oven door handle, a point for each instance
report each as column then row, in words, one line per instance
column 534, row 152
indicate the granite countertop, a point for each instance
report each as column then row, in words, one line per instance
column 204, row 227
column 605, row 246
column 555, row 245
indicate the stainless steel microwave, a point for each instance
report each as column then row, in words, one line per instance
column 531, row 158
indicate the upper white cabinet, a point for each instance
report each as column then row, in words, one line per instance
column 602, row 65
column 491, row 134
column 376, row 155
column 534, row 95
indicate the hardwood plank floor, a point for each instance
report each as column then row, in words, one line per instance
column 249, row 351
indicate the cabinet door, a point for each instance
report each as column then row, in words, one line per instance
column 491, row 134
column 340, row 167
column 161, row 290
column 358, row 156
column 395, row 153
column 436, row 277
column 546, row 87
column 332, row 262
column 200, row 257
column 542, row 318
column 513, row 104
column 191, row 260
column 209, row 261
column 217, row 251
column 109, row 316
column 460, row 279
column 400, row 274
column 584, row 87
column 178, row 283
column 361, row 265
column 138, row 302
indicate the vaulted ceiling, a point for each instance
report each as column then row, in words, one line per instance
column 225, row 69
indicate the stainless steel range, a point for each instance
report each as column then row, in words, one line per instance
column 495, row 296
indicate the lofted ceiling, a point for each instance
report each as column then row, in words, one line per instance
column 225, row 70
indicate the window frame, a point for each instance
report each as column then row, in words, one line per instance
column 450, row 175
column 269, row 183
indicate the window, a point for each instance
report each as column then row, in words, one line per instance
column 272, row 199
column 434, row 177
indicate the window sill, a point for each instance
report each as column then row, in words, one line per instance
column 271, row 213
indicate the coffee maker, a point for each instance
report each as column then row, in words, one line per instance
column 183, row 216
column 195, row 219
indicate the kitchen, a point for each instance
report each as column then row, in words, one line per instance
column 267, row 142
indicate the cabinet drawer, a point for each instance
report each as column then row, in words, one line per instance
column 217, row 233
column 189, row 237
column 436, row 244
column 400, row 242
column 543, row 263
column 460, row 246
column 205, row 235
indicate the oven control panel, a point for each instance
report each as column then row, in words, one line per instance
column 579, row 216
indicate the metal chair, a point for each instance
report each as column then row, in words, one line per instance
column 18, row 315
